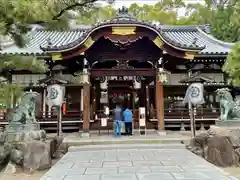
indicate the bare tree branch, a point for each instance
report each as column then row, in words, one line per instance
column 71, row 7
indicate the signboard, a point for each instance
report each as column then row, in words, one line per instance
column 104, row 98
column 103, row 122
column 106, row 110
column 142, row 116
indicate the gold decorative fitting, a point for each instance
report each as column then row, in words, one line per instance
column 158, row 42
column 189, row 56
column 82, row 53
column 89, row 42
column 123, row 30
column 57, row 56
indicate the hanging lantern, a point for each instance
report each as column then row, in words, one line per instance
column 84, row 77
column 162, row 75
column 55, row 95
column 103, row 82
column 64, row 108
column 137, row 82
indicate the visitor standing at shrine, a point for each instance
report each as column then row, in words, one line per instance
column 128, row 118
column 118, row 117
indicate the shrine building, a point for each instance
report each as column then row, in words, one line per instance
column 141, row 63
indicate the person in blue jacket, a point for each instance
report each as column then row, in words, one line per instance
column 128, row 119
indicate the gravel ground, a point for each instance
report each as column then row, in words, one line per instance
column 233, row 171
column 22, row 176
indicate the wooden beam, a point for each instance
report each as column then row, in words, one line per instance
column 123, row 72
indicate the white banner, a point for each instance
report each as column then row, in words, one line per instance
column 194, row 94
column 142, row 116
column 55, row 95
column 103, row 122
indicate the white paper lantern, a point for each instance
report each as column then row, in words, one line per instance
column 55, row 95
column 137, row 82
column 103, row 82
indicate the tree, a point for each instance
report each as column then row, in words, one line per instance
column 164, row 12
column 17, row 15
column 94, row 15
column 8, row 90
column 222, row 15
column 232, row 64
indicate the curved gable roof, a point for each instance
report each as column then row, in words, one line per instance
column 189, row 38
column 123, row 18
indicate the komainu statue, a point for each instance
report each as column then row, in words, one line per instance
column 229, row 108
column 24, row 113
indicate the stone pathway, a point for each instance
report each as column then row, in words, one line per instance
column 138, row 162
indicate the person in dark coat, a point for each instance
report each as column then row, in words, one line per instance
column 128, row 119
column 118, row 117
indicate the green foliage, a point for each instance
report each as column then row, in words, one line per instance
column 17, row 15
column 231, row 31
column 9, row 92
column 222, row 15
column 232, row 64
column 94, row 15
column 31, row 63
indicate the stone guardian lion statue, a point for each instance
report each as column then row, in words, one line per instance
column 229, row 108
column 24, row 113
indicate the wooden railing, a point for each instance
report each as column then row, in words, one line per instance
column 174, row 118
column 180, row 118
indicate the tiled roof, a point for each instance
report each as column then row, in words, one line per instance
column 200, row 34
column 192, row 38
column 41, row 37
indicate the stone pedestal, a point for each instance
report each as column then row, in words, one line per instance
column 18, row 127
column 85, row 134
column 229, row 123
column 162, row 133
column 16, row 132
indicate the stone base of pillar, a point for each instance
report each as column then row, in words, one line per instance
column 85, row 134
column 162, row 133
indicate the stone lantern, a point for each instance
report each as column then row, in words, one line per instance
column 55, row 83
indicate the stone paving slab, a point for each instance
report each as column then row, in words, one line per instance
column 134, row 164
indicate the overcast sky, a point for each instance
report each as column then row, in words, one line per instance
column 127, row 3
column 119, row 3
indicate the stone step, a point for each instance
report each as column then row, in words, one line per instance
column 68, row 142
column 124, row 146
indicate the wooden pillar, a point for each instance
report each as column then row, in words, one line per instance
column 81, row 100
column 86, row 108
column 93, row 103
column 147, row 101
column 159, row 104
column 44, row 103
column 135, row 115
